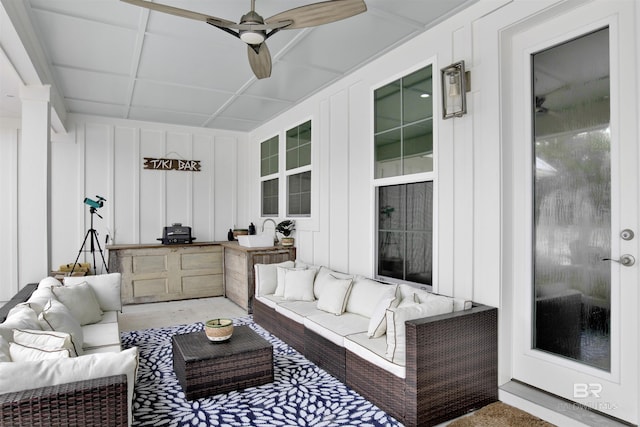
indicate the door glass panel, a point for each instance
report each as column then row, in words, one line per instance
column 572, row 200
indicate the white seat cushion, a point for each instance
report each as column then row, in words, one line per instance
column 109, row 317
column 301, row 308
column 290, row 314
column 373, row 350
column 101, row 335
column 270, row 300
column 335, row 328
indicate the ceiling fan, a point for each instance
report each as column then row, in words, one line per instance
column 254, row 30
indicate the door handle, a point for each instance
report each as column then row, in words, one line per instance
column 626, row 260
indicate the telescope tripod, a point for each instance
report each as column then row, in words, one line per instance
column 92, row 236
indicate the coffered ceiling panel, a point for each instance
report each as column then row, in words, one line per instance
column 98, row 87
column 110, row 58
column 150, row 94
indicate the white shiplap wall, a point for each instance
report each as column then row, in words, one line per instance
column 105, row 157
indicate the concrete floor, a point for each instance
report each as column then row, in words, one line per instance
column 160, row 314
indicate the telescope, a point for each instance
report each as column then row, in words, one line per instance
column 95, row 204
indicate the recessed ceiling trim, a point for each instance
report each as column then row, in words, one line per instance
column 417, row 26
column 135, row 63
column 76, row 17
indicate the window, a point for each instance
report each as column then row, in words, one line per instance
column 298, row 166
column 269, row 167
column 270, row 197
column 404, row 125
column 299, row 203
column 405, row 233
column 403, row 157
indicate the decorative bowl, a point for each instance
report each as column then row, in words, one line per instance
column 218, row 330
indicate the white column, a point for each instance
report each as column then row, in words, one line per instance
column 33, row 185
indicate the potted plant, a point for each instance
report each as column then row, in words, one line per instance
column 285, row 228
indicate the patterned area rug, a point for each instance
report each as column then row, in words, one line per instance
column 301, row 395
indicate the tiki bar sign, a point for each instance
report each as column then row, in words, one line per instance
column 172, row 164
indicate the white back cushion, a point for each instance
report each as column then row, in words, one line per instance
column 81, row 301
column 365, row 295
column 105, row 286
column 324, row 278
column 396, row 318
column 335, row 295
column 23, row 353
column 298, row 285
column 266, row 277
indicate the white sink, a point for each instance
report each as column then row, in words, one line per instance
column 255, row 241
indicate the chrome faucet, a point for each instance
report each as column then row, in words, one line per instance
column 265, row 221
column 275, row 241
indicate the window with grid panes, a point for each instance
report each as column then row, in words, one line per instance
column 298, row 170
column 403, row 161
column 269, row 150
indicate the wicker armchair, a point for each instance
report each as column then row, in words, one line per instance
column 98, row 402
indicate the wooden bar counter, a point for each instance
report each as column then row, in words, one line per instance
column 239, row 280
column 156, row 272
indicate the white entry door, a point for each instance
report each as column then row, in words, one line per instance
column 572, row 195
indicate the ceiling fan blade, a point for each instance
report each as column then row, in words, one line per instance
column 319, row 13
column 181, row 12
column 260, row 61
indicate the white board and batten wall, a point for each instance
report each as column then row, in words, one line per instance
column 100, row 156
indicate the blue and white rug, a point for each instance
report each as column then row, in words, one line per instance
column 301, row 395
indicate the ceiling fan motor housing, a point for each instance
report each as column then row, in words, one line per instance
column 252, row 36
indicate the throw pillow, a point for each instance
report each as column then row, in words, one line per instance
column 44, row 340
column 106, row 288
column 52, row 372
column 281, row 271
column 323, row 279
column 267, row 277
column 22, row 316
column 23, row 353
column 378, row 321
column 333, row 298
column 48, row 282
column 57, row 317
column 5, row 354
column 298, row 285
column 81, row 302
column 396, row 318
column 41, row 296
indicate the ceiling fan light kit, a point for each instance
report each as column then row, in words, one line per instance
column 254, row 30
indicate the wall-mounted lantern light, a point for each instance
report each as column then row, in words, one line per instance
column 454, row 90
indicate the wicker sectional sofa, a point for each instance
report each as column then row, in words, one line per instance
column 93, row 383
column 421, row 357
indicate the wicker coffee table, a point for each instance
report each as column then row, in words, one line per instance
column 205, row 368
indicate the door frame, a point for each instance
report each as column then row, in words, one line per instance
column 516, row 175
